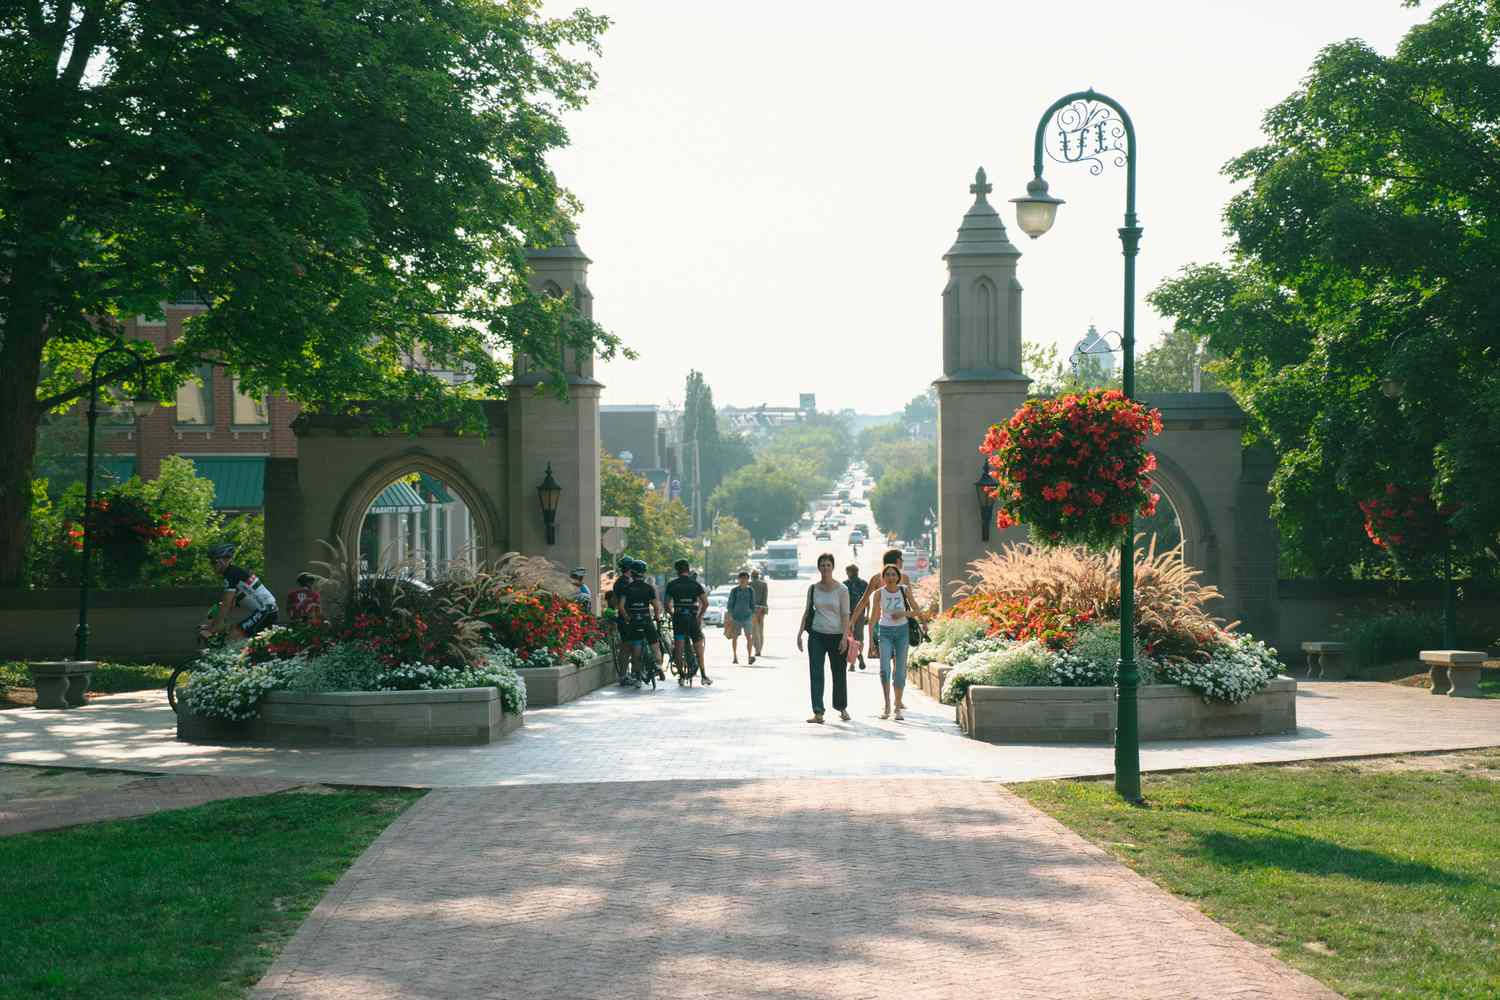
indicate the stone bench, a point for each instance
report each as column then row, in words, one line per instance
column 1454, row 672
column 61, row 683
column 1327, row 658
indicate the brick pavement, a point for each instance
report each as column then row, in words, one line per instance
column 29, row 805
column 758, row 889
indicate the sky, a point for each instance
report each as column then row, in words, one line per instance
column 769, row 188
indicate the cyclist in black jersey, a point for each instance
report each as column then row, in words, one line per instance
column 639, row 609
column 688, row 601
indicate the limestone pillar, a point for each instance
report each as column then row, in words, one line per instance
column 564, row 433
column 982, row 381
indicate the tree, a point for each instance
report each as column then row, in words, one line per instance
column 1355, row 322
column 1168, row 367
column 815, row 451
column 763, row 497
column 658, row 527
column 920, row 415
column 1049, row 376
column 728, row 551
column 902, row 498
column 719, row 454
column 346, row 185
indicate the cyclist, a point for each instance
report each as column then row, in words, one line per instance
column 689, row 600
column 240, row 587
column 639, row 609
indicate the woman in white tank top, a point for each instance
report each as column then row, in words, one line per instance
column 891, row 608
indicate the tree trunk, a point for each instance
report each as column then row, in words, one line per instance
column 20, row 368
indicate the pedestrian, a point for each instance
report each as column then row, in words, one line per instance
column 739, row 617
column 762, row 597
column 825, row 619
column 891, row 610
column 303, row 602
column 856, row 587
column 892, row 557
column 582, row 594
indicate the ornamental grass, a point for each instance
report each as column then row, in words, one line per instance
column 1025, row 591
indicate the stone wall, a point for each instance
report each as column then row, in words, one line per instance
column 1310, row 610
column 141, row 625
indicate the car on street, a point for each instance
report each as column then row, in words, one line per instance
column 822, row 535
column 714, row 613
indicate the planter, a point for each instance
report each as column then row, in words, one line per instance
column 455, row 717
column 1087, row 714
column 546, row 686
column 61, row 683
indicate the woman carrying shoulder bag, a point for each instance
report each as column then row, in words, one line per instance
column 826, row 621
column 893, row 613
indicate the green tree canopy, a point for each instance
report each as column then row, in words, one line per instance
column 1356, row 321
column 348, row 185
column 658, row 528
column 728, row 551
column 902, row 498
column 1168, row 367
column 719, row 453
column 763, row 497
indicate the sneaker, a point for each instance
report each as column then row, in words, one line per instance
column 707, row 682
column 752, row 661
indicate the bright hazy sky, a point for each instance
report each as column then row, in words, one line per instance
column 769, row 187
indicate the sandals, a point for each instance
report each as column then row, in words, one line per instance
column 886, row 714
column 817, row 718
column 752, row 661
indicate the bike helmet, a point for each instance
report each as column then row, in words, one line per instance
column 625, row 563
column 639, row 566
column 224, row 550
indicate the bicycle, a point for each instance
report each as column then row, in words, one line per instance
column 686, row 668
column 205, row 642
column 637, row 674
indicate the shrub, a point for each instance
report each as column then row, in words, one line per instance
column 1236, row 668
column 1094, row 659
column 1025, row 665
column 945, row 634
column 1400, row 634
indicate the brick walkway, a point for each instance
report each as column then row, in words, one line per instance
column 30, row 805
column 767, row 889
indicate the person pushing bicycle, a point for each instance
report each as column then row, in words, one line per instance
column 688, row 601
column 639, row 609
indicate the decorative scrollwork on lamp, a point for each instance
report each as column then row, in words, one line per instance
column 1087, row 132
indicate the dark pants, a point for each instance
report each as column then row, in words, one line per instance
column 819, row 645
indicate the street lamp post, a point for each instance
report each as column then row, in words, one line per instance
column 708, row 574
column 132, row 365
column 1095, row 129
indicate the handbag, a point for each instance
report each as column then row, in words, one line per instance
column 807, row 615
column 916, row 632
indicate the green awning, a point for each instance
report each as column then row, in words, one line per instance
column 428, row 486
column 398, row 498
column 239, row 480
column 112, row 469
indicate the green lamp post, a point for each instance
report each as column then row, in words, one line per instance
column 131, row 365
column 1094, row 129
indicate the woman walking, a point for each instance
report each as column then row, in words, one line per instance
column 826, row 621
column 891, row 611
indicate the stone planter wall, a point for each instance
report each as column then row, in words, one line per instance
column 456, row 717
column 1087, row 714
column 547, row 686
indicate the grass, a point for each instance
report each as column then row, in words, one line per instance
column 1377, row 878
column 191, row 903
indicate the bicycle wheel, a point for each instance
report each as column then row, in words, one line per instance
column 172, row 685
column 689, row 661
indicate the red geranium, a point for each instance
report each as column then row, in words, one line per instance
column 1074, row 467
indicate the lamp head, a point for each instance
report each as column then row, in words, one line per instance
column 1036, row 212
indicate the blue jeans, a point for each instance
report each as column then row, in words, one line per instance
column 894, row 641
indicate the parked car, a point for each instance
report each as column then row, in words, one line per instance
column 714, row 613
column 822, row 535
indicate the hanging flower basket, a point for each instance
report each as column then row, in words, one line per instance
column 1407, row 523
column 1074, row 468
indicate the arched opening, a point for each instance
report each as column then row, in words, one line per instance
column 418, row 515
column 418, row 526
column 1165, row 526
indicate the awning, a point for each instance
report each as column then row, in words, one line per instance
column 398, row 498
column 429, row 486
column 239, row 480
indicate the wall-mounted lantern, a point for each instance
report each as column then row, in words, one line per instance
column 548, row 494
column 985, row 488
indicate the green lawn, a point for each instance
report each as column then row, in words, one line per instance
column 193, row 903
column 1380, row 879
column 109, row 678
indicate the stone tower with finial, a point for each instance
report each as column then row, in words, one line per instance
column 982, row 382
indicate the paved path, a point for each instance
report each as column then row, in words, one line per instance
column 32, row 800
column 748, row 725
column 762, row 889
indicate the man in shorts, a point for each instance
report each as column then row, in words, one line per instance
column 688, row 600
column 856, row 588
column 739, row 617
column 758, row 623
column 240, row 587
column 639, row 609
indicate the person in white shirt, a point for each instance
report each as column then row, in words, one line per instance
column 826, row 622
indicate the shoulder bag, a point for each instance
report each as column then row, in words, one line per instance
column 807, row 614
column 916, row 632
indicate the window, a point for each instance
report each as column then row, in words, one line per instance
column 191, row 297
column 195, row 399
column 249, row 411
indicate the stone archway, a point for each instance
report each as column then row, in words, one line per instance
column 1200, row 545
column 484, row 508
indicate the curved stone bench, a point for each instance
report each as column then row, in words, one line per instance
column 1454, row 672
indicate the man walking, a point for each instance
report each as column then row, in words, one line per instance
column 762, row 597
column 741, row 617
column 857, row 588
